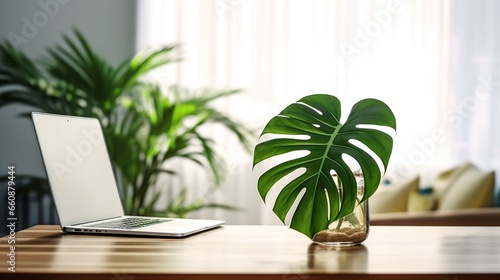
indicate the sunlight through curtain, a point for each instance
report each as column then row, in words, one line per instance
column 405, row 53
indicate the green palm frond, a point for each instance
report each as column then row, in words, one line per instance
column 147, row 60
column 17, row 64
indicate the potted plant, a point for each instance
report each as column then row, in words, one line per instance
column 323, row 191
column 146, row 127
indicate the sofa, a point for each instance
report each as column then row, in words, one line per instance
column 460, row 196
column 463, row 217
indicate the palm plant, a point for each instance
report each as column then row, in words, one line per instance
column 145, row 126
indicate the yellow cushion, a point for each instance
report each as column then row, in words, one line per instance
column 472, row 188
column 394, row 199
column 418, row 202
column 447, row 178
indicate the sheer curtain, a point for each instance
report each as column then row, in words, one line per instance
column 472, row 113
column 410, row 54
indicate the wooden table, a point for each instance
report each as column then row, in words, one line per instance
column 257, row 252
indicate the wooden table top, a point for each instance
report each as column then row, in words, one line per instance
column 245, row 252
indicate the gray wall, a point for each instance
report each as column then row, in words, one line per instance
column 110, row 28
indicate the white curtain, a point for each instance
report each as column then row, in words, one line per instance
column 474, row 83
column 423, row 58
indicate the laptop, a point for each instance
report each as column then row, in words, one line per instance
column 84, row 187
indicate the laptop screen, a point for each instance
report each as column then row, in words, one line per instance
column 78, row 168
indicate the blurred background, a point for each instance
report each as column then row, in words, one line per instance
column 435, row 63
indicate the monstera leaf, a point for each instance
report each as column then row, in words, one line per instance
column 313, row 125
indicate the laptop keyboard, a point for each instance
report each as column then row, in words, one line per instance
column 129, row 223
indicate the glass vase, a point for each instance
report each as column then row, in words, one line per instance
column 352, row 229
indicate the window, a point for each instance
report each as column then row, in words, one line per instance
column 434, row 62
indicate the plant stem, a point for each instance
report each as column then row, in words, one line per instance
column 341, row 194
column 339, row 225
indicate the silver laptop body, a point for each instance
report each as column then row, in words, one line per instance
column 83, row 184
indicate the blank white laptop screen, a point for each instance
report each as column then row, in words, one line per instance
column 78, row 167
column 83, row 184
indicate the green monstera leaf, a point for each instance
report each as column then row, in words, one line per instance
column 313, row 125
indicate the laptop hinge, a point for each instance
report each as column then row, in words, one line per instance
column 97, row 221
